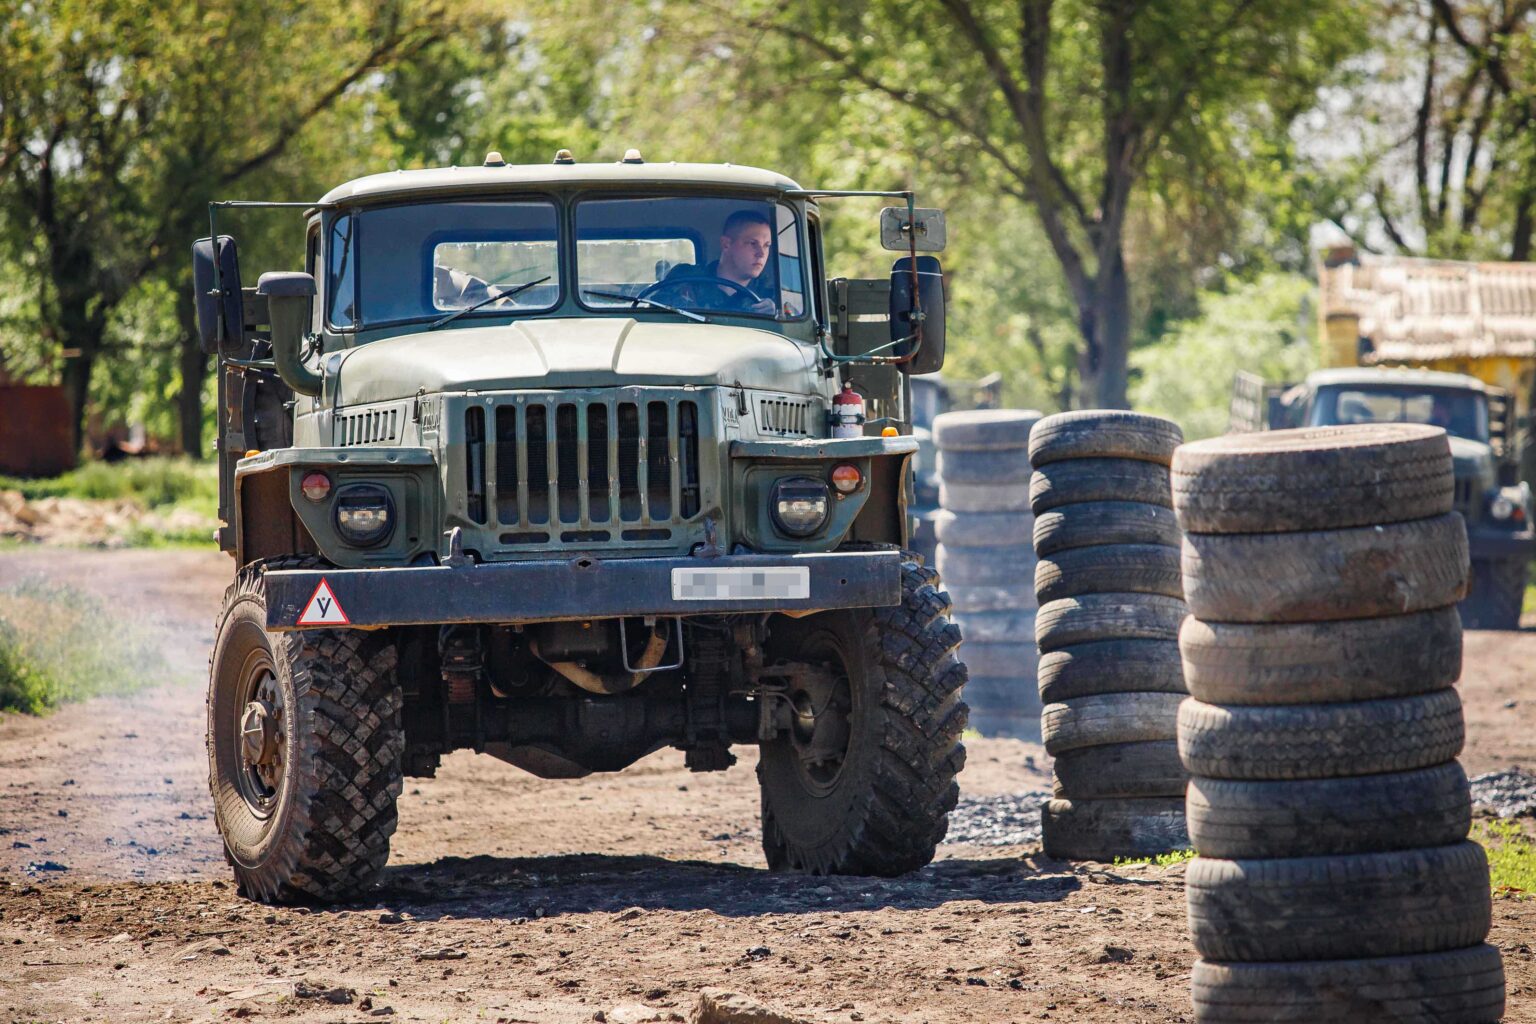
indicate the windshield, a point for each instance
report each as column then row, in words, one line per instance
column 1461, row 413
column 422, row 261
column 734, row 256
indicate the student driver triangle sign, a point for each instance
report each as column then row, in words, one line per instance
column 323, row 609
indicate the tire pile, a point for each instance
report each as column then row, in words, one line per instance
column 1334, row 882
column 985, row 559
column 1110, row 598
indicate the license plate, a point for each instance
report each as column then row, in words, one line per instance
column 778, row 582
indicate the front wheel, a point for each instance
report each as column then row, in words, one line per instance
column 304, row 749
column 864, row 780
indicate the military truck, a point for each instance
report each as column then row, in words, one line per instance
column 1489, row 494
column 565, row 464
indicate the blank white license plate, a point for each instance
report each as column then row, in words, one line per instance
column 779, row 582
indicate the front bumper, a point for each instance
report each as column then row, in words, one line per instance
column 1489, row 543
column 578, row 588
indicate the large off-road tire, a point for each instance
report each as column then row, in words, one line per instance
column 1329, row 817
column 1463, row 986
column 1497, row 594
column 1110, row 666
column 1094, row 523
column 1333, row 908
column 1320, row 741
column 1131, row 568
column 882, row 805
column 1315, row 478
column 1106, row 829
column 1358, row 573
column 1077, row 480
column 304, row 749
column 1104, row 434
column 1321, row 662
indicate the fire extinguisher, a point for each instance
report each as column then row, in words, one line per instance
column 848, row 413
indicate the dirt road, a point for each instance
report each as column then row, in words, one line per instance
column 617, row 898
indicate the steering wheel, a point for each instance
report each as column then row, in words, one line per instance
column 741, row 290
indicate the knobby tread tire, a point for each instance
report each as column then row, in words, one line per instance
column 1078, row 480
column 982, row 430
column 983, row 529
column 1327, row 817
column 1003, row 466
column 905, row 787
column 1313, row 478
column 1098, row 523
column 1334, row 908
column 329, row 837
column 1103, row 433
column 1129, row 568
column 1090, row 617
column 1149, row 769
column 986, row 567
column 1110, row 666
column 1357, row 573
column 1105, row 829
column 1320, row 741
column 1109, row 718
column 1496, row 595
column 1461, row 986
column 1315, row 662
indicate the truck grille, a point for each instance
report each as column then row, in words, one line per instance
column 590, row 471
column 1464, row 494
column 784, row 416
column 367, row 427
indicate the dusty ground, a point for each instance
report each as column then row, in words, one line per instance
column 511, row 898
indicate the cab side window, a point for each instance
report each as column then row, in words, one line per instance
column 341, row 271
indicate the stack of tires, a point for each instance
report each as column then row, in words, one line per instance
column 985, row 558
column 1334, row 882
column 1108, row 587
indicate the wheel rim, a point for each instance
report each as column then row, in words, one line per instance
column 821, row 731
column 260, row 734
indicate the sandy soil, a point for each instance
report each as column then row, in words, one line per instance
column 510, row 898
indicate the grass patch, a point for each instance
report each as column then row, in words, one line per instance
column 1162, row 860
column 58, row 644
column 1511, row 855
column 155, row 483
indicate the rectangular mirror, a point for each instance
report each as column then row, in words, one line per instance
column 225, row 305
column 929, row 230
column 929, row 291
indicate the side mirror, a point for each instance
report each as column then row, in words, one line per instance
column 930, row 295
column 924, row 231
column 221, row 305
column 290, row 294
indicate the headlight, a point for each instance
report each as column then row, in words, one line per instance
column 799, row 506
column 1501, row 507
column 364, row 515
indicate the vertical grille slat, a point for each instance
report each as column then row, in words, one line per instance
column 509, row 502
column 629, row 452
column 688, row 467
column 599, row 494
column 657, row 468
column 568, row 463
column 551, row 466
column 535, row 481
column 474, row 469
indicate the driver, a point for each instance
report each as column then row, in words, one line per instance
column 746, row 242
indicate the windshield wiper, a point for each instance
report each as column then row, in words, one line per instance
column 509, row 293
column 635, row 300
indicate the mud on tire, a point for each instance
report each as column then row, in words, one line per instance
column 888, row 805
column 321, row 833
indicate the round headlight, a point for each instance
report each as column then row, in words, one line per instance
column 799, row 506
column 1502, row 507
column 364, row 515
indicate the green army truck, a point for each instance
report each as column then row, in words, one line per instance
column 1489, row 494
column 565, row 464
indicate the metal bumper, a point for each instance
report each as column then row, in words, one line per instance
column 576, row 588
column 1485, row 543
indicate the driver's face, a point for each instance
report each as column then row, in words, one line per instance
column 743, row 258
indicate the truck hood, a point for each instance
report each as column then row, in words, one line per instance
column 594, row 352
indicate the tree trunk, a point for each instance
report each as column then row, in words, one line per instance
column 1520, row 243
column 1104, row 364
column 76, row 379
column 194, row 373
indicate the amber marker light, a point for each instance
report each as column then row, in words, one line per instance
column 315, row 486
column 847, row 479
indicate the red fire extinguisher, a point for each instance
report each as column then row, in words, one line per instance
column 848, row 413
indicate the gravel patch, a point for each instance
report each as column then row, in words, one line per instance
column 1509, row 794
column 1009, row 820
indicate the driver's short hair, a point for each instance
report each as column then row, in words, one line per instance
column 741, row 218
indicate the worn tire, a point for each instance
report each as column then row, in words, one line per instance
column 1314, row 478
column 1461, row 986
column 1496, row 595
column 1001, row 661
column 1320, row 741
column 888, row 805
column 1105, row 829
column 970, row 600
column 1358, row 573
column 984, row 529
column 1095, row 523
column 1328, row 817
column 1318, row 662
column 986, row 567
column 1003, row 466
column 1129, row 568
column 1109, row 718
column 1015, row 627
column 1091, row 617
column 984, row 430
column 1003, row 707
column 1103, row 434
column 1110, row 666
column 322, row 833
column 1077, row 480
column 1334, row 908
column 1131, row 770
column 984, row 497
